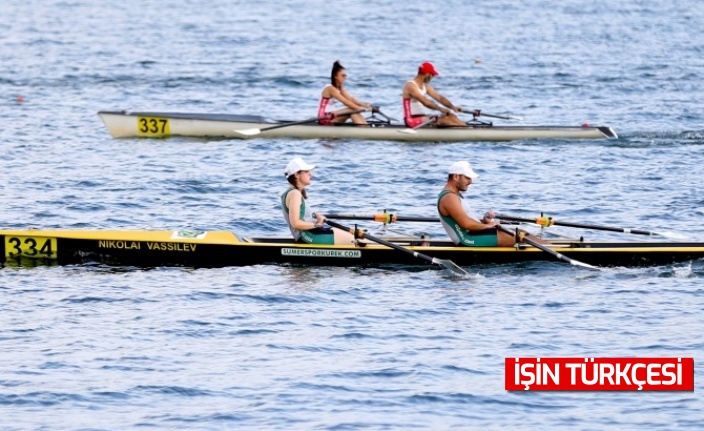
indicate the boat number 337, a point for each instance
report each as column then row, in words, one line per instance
column 153, row 126
column 44, row 248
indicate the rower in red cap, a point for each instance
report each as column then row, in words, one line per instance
column 415, row 100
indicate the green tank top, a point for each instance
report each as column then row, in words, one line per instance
column 308, row 236
column 295, row 232
column 460, row 235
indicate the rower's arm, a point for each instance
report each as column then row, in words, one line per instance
column 357, row 101
column 293, row 201
column 450, row 205
column 345, row 99
column 442, row 99
column 414, row 92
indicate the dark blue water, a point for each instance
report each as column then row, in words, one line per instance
column 264, row 347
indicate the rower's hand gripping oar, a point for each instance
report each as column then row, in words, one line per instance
column 548, row 221
column 256, row 131
column 362, row 234
column 547, row 250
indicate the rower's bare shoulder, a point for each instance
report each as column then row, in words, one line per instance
column 327, row 92
column 409, row 89
column 293, row 197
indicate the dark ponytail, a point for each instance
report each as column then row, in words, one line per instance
column 336, row 67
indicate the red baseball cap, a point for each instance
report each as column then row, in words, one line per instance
column 428, row 67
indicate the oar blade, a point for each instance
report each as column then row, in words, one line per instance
column 561, row 256
column 452, row 266
column 408, row 131
column 583, row 265
column 672, row 235
column 248, row 132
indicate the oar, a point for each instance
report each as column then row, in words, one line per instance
column 479, row 113
column 541, row 221
column 548, row 221
column 381, row 218
column 256, row 131
column 413, row 131
column 442, row 262
column 548, row 250
column 377, row 110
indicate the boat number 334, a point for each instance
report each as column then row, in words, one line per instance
column 43, row 248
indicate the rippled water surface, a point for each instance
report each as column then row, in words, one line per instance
column 268, row 347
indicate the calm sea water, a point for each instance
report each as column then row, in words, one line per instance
column 264, row 347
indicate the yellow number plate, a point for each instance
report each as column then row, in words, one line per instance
column 27, row 246
column 153, row 126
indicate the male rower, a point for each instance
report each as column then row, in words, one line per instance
column 415, row 101
column 463, row 229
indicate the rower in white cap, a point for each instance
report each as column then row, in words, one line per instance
column 298, row 215
column 462, row 228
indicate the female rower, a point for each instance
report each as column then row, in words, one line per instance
column 335, row 100
column 293, row 203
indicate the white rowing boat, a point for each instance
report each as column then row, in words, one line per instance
column 123, row 124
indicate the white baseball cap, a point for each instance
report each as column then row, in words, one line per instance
column 296, row 165
column 463, row 168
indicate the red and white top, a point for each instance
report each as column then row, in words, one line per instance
column 327, row 105
column 413, row 110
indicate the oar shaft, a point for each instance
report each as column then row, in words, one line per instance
column 253, row 132
column 548, row 250
column 382, row 218
column 605, row 228
column 542, row 221
column 363, row 234
column 413, row 130
column 548, row 221
column 377, row 110
column 446, row 263
column 479, row 113
column 294, row 123
column 501, row 117
column 310, row 120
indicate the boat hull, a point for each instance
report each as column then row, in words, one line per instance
column 122, row 124
column 220, row 249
